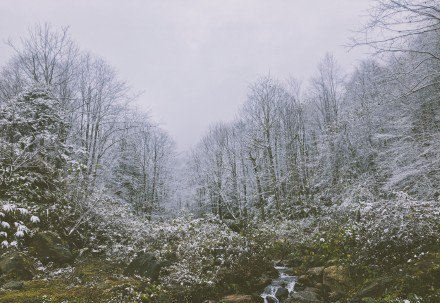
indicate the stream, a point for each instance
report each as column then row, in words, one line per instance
column 283, row 281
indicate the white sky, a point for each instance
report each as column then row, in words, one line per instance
column 194, row 59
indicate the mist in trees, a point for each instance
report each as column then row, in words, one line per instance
column 298, row 148
column 343, row 159
column 68, row 131
column 295, row 148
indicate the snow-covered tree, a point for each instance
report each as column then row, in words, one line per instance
column 33, row 151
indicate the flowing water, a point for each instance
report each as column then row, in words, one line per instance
column 283, row 280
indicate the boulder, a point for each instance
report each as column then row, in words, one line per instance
column 49, row 247
column 336, row 277
column 335, row 282
column 304, row 297
column 316, row 272
column 146, row 265
column 13, row 285
column 282, row 293
column 304, row 280
column 313, row 276
column 290, row 272
column 374, row 289
column 271, row 299
column 17, row 265
column 312, row 289
column 261, row 283
column 299, row 286
column 237, row 299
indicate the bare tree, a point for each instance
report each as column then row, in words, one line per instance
column 406, row 28
column 45, row 56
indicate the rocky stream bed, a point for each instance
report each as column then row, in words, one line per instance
column 281, row 287
column 58, row 277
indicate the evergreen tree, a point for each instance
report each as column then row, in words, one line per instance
column 32, row 149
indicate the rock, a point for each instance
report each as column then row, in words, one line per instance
column 13, row 285
column 315, row 271
column 336, row 279
column 237, row 299
column 304, row 297
column 312, row 289
column 279, row 263
column 145, row 264
column 335, row 282
column 314, row 275
column 304, row 280
column 51, row 248
column 261, row 283
column 374, row 288
column 282, row 293
column 299, row 286
column 17, row 265
column 272, row 299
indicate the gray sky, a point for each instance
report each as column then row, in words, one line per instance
column 195, row 59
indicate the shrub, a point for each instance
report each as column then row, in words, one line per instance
column 13, row 225
column 208, row 257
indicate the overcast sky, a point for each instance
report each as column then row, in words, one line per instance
column 194, row 59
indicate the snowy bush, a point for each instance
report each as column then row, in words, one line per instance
column 384, row 233
column 393, row 231
column 12, row 225
column 108, row 224
column 205, row 254
column 32, row 152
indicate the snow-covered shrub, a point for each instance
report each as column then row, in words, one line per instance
column 32, row 152
column 34, row 156
column 108, row 224
column 304, row 241
column 205, row 254
column 14, row 222
column 382, row 233
column 394, row 231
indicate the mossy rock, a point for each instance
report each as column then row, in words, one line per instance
column 17, row 265
column 94, row 281
column 146, row 265
column 49, row 247
column 314, row 275
column 373, row 289
column 336, row 278
column 304, row 297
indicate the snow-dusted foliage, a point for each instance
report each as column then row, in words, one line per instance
column 15, row 224
column 32, row 150
column 385, row 232
column 391, row 231
column 294, row 151
column 67, row 131
column 344, row 167
column 205, row 250
column 142, row 172
column 204, row 253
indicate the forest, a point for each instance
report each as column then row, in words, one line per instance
column 320, row 190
